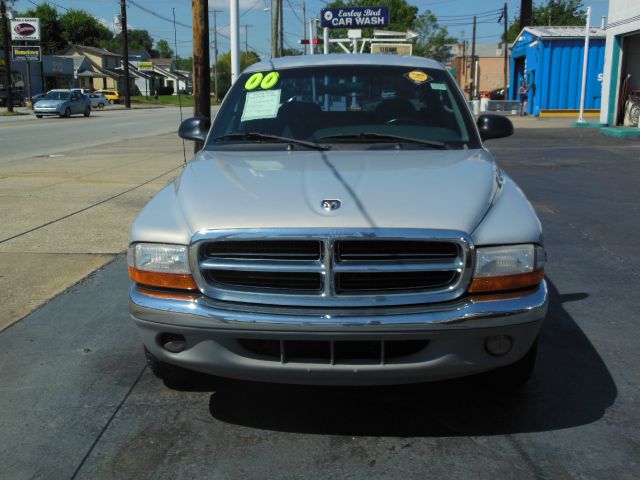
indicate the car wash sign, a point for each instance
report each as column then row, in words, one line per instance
column 25, row 29
column 355, row 17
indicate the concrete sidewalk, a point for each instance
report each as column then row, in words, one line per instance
column 63, row 217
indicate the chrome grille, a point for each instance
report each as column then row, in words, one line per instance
column 338, row 268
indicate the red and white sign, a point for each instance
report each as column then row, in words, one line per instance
column 25, row 29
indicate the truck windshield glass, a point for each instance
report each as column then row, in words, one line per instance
column 355, row 105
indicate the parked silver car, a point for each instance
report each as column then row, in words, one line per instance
column 97, row 99
column 63, row 103
column 317, row 242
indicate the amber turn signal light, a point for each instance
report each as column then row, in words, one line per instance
column 163, row 280
column 506, row 282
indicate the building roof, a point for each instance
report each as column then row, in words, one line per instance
column 564, row 32
column 101, row 52
column 162, row 61
column 78, row 60
column 343, row 59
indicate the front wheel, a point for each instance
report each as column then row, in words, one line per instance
column 38, row 116
column 101, row 105
column 67, row 113
column 87, row 111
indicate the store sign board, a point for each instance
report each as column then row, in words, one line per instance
column 392, row 48
column 25, row 29
column 145, row 66
column 21, row 53
column 354, row 17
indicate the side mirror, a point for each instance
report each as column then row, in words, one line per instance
column 494, row 126
column 194, row 128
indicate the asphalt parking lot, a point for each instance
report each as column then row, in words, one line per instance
column 78, row 401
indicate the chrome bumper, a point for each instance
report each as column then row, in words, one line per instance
column 456, row 335
column 467, row 313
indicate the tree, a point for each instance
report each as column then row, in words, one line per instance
column 184, row 63
column 164, row 50
column 554, row 12
column 224, row 69
column 434, row 41
column 83, row 28
column 50, row 28
column 291, row 52
column 138, row 40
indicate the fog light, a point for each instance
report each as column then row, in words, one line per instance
column 172, row 342
column 498, row 345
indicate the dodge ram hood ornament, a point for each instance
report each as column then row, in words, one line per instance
column 330, row 205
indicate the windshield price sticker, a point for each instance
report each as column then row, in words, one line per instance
column 261, row 80
column 418, row 77
column 438, row 86
column 261, row 105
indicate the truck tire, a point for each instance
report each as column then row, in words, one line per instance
column 87, row 111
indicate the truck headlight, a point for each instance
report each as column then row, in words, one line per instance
column 508, row 267
column 160, row 265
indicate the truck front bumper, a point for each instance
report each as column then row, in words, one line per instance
column 450, row 338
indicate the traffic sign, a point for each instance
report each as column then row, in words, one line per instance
column 354, row 17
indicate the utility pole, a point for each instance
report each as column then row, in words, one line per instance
column 125, row 53
column 215, row 53
column 7, row 55
column 526, row 10
column 246, row 42
column 585, row 65
column 275, row 21
column 234, row 19
column 281, row 32
column 304, row 25
column 201, row 77
column 506, row 51
column 472, row 93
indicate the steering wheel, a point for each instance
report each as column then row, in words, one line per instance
column 402, row 120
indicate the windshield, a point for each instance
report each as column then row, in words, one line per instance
column 57, row 96
column 356, row 106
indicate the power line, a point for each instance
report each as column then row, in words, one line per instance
column 157, row 15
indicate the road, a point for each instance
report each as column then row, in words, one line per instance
column 78, row 401
column 26, row 137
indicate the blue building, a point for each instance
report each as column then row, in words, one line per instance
column 549, row 60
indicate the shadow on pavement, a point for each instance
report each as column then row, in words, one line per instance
column 570, row 386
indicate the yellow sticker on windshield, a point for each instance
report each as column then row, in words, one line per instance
column 418, row 77
column 270, row 80
column 254, row 81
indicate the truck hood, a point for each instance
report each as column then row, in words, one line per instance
column 377, row 189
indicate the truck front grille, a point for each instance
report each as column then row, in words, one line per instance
column 334, row 352
column 336, row 269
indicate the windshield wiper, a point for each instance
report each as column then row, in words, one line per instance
column 384, row 136
column 269, row 137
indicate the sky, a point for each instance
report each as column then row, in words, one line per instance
column 146, row 14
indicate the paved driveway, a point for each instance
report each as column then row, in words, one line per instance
column 78, row 401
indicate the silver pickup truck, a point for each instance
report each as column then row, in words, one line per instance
column 331, row 233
